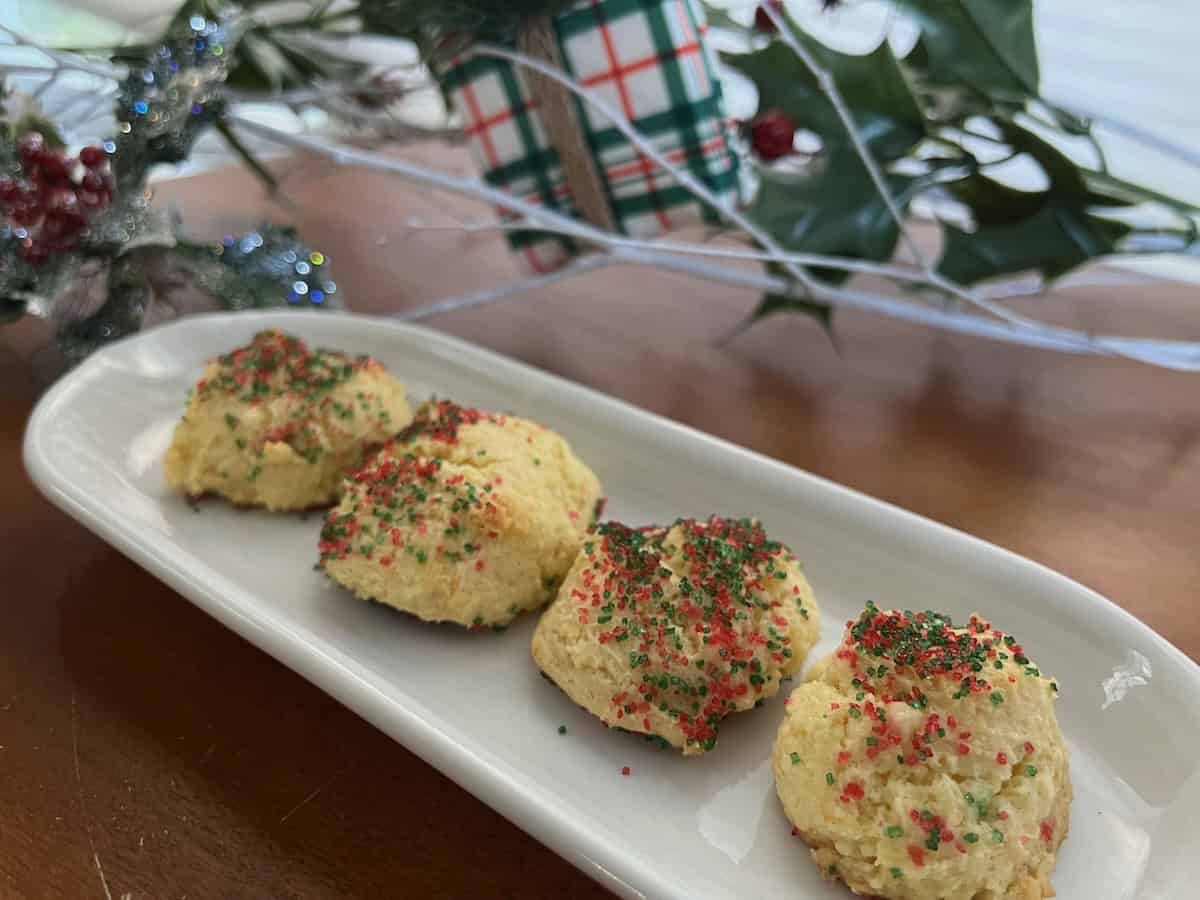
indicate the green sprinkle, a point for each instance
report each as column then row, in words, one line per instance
column 1054, row 686
column 562, row 729
column 255, row 472
column 1031, row 771
column 894, row 831
column 971, row 837
column 896, row 873
column 231, row 420
column 996, row 697
column 829, row 779
column 997, row 837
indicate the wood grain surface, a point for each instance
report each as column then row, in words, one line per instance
column 147, row 752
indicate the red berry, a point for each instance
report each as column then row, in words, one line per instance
column 30, row 145
column 92, row 157
column 25, row 214
column 49, row 168
column 772, row 134
column 762, row 22
column 10, row 192
column 61, row 225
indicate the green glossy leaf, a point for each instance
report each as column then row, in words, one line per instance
column 873, row 86
column 720, row 18
column 1053, row 241
column 994, row 203
column 837, row 211
column 777, row 303
column 1066, row 179
column 985, row 44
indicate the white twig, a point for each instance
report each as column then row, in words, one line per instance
column 1014, row 328
column 61, row 61
column 490, row 295
column 1135, row 133
column 683, row 177
column 905, row 274
column 827, row 84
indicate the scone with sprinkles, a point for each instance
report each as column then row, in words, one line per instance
column 466, row 517
column 665, row 631
column 923, row 761
column 279, row 425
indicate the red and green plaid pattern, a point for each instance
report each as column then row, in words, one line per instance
column 649, row 60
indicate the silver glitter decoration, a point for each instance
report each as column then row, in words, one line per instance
column 130, row 266
column 164, row 106
column 264, row 268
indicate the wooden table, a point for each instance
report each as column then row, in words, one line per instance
column 140, row 739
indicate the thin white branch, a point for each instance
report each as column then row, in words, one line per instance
column 906, row 274
column 491, row 295
column 683, row 177
column 1013, row 328
column 62, row 61
column 827, row 84
column 1135, row 133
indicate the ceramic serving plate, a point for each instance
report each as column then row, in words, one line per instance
column 473, row 706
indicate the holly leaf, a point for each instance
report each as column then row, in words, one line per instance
column 1054, row 240
column 994, row 203
column 986, row 44
column 720, row 18
column 1066, row 179
column 836, row 211
column 776, row 303
column 1050, row 231
column 874, row 87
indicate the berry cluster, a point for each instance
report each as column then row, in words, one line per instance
column 54, row 197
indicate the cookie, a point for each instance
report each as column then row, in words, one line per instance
column 278, row 425
column 467, row 517
column 923, row 761
column 665, row 631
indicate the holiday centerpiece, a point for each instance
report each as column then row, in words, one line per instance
column 599, row 127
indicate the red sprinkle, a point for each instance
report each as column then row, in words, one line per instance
column 917, row 855
column 625, row 770
column 1002, row 758
column 1028, row 747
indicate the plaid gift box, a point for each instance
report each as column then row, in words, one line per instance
column 649, row 60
